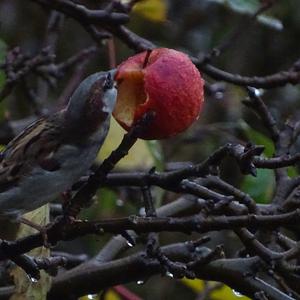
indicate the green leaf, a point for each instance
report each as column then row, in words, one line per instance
column 105, row 206
column 3, row 49
column 260, row 188
column 249, row 7
column 155, row 150
column 270, row 22
column 258, row 138
column 292, row 171
column 242, row 6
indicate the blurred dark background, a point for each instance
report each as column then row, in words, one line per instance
column 261, row 47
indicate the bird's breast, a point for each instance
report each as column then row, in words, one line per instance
column 42, row 186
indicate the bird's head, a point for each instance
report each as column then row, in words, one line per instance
column 93, row 101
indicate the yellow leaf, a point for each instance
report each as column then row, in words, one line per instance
column 24, row 287
column 153, row 10
column 110, row 295
column 139, row 155
column 225, row 292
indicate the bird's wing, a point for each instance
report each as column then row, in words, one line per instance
column 33, row 147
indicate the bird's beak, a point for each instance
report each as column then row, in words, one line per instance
column 110, row 95
column 113, row 73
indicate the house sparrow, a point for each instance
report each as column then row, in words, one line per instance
column 54, row 152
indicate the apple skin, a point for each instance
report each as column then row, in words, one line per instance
column 168, row 84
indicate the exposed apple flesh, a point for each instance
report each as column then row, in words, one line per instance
column 168, row 84
column 131, row 87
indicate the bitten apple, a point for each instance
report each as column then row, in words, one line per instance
column 164, row 81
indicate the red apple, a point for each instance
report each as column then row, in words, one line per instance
column 164, row 81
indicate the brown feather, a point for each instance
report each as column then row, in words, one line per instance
column 33, row 147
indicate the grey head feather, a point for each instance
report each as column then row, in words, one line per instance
column 81, row 94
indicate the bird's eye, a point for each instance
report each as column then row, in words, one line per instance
column 108, row 83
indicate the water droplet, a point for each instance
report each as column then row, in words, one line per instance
column 140, row 282
column 94, row 296
column 199, row 249
column 200, row 201
column 33, row 279
column 258, row 92
column 169, row 274
column 119, row 202
column 134, row 219
column 129, row 243
column 100, row 230
column 219, row 95
column 237, row 294
column 129, row 239
column 142, row 211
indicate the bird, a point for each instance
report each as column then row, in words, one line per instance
column 52, row 153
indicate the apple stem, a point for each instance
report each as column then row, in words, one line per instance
column 148, row 53
column 111, row 53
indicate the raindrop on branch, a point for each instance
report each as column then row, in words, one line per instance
column 169, row 274
column 258, row 92
column 129, row 244
column 119, row 202
column 236, row 293
column 33, row 279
